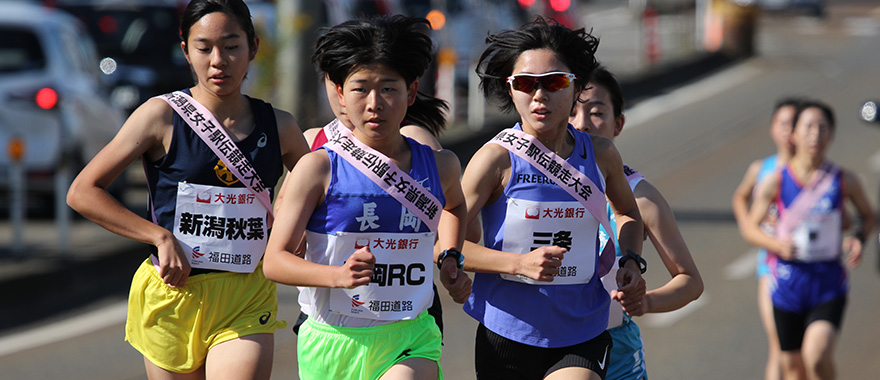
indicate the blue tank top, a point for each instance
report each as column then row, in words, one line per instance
column 830, row 203
column 539, row 315
column 798, row 286
column 768, row 166
column 191, row 160
column 354, row 203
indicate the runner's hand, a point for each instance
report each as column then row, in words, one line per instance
column 786, row 250
column 854, row 247
column 631, row 291
column 357, row 270
column 542, row 264
column 174, row 266
column 456, row 281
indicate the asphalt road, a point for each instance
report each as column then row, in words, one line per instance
column 694, row 144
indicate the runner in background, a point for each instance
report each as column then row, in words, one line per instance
column 540, row 188
column 809, row 284
column 167, row 319
column 599, row 111
column 369, row 202
column 780, row 131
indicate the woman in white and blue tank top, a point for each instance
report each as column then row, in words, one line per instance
column 808, row 250
column 537, row 295
column 372, row 203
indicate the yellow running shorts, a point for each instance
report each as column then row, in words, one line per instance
column 175, row 327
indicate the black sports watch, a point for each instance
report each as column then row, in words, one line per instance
column 454, row 253
column 630, row 255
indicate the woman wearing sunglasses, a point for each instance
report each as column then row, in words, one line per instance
column 537, row 295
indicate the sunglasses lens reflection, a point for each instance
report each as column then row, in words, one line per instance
column 551, row 83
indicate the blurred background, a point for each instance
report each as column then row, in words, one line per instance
column 700, row 78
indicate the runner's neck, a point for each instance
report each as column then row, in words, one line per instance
column 558, row 140
column 232, row 111
column 803, row 169
column 393, row 147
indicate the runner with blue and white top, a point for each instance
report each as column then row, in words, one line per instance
column 372, row 204
column 540, row 188
column 809, row 283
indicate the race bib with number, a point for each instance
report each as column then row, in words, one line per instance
column 220, row 228
column 401, row 287
column 530, row 224
column 817, row 237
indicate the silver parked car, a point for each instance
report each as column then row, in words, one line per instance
column 51, row 97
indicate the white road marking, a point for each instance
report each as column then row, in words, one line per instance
column 651, row 108
column 742, row 267
column 70, row 328
column 662, row 320
column 862, row 26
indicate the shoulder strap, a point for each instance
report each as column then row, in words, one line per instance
column 819, row 183
column 384, row 173
column 566, row 176
column 206, row 126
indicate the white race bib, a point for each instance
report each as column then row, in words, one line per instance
column 220, row 228
column 530, row 224
column 817, row 237
column 402, row 283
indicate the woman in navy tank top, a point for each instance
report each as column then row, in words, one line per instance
column 168, row 321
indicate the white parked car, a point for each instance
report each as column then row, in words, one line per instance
column 51, row 97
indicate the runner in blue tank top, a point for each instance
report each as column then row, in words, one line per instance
column 365, row 278
column 780, row 130
column 600, row 112
column 430, row 115
column 169, row 321
column 537, row 295
column 809, row 282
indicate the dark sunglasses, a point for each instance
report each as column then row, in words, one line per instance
column 551, row 82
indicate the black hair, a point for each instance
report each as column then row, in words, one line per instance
column 602, row 77
column 196, row 9
column 575, row 48
column 398, row 42
column 789, row 101
column 813, row 103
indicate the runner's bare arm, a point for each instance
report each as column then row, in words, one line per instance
column 452, row 225
column 293, row 144
column 281, row 264
column 867, row 217
column 686, row 284
column 146, row 134
column 743, row 194
column 630, row 227
column 483, row 182
column 752, row 232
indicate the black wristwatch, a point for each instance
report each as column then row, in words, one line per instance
column 454, row 253
column 630, row 255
